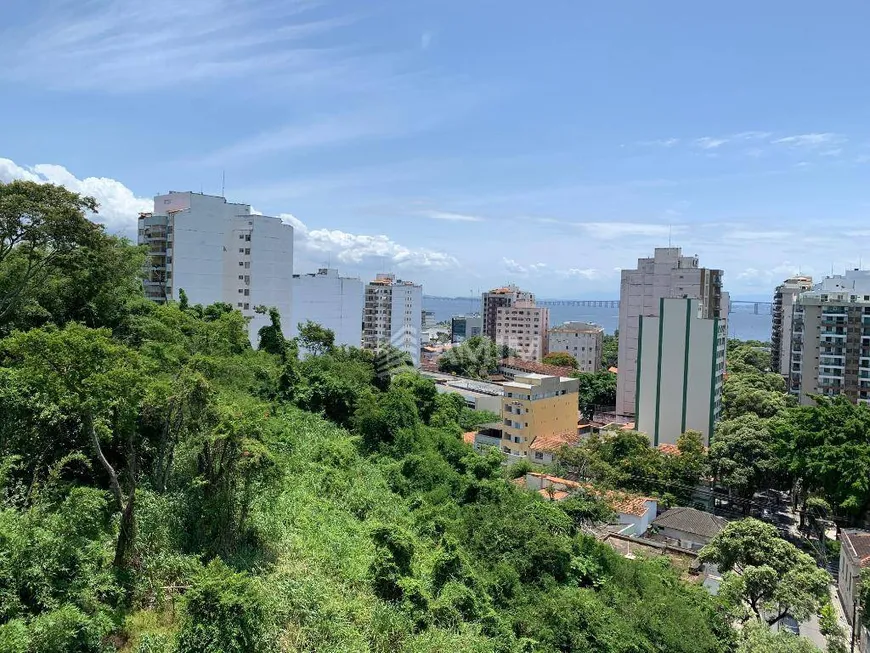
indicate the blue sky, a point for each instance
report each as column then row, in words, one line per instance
column 464, row 144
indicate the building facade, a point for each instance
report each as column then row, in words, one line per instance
column 667, row 274
column 582, row 340
column 854, row 557
column 680, row 371
column 393, row 315
column 783, row 308
column 218, row 251
column 536, row 406
column 524, row 329
column 463, row 327
column 830, row 339
column 499, row 298
column 332, row 301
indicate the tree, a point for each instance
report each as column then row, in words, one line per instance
column 763, row 395
column 476, row 358
column 39, row 225
column 775, row 579
column 560, row 359
column 422, row 389
column 758, row 638
column 743, row 454
column 84, row 382
column 596, row 389
column 315, row 339
column 610, row 350
column 270, row 337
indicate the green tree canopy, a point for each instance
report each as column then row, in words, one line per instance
column 561, row 359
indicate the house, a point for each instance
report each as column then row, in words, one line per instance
column 687, row 528
column 633, row 511
column 544, row 448
column 854, row 556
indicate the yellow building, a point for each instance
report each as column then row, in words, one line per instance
column 536, row 405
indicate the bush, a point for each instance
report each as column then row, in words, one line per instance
column 225, row 612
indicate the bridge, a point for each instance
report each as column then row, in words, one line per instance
column 737, row 305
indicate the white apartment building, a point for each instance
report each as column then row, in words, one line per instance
column 498, row 298
column 393, row 315
column 218, row 251
column 680, row 371
column 830, row 338
column 667, row 274
column 332, row 301
column 783, row 307
column 524, row 328
column 582, row 340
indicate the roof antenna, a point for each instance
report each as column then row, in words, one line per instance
column 223, row 183
column 670, row 229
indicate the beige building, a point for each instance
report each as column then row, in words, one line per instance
column 783, row 306
column 854, row 557
column 582, row 340
column 536, row 406
column 500, row 298
column 830, row 339
column 524, row 328
column 667, row 274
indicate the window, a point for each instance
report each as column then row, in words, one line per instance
column 539, row 455
column 241, row 263
column 241, row 276
column 241, row 250
column 241, row 236
column 240, row 291
column 247, row 250
column 248, row 237
column 248, row 292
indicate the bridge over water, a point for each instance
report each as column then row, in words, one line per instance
column 758, row 308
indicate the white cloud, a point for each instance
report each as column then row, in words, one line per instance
column 745, row 234
column 814, row 139
column 127, row 45
column 664, row 142
column 452, row 217
column 710, row 143
column 119, row 206
column 358, row 249
column 583, row 273
column 616, row 230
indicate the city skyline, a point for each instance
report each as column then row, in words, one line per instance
column 465, row 147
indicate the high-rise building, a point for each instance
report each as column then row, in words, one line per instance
column 783, row 307
column 680, row 371
column 523, row 328
column 463, row 327
column 534, row 406
column 667, row 274
column 218, row 251
column 429, row 321
column 499, row 298
column 393, row 315
column 830, row 336
column 582, row 340
column 331, row 301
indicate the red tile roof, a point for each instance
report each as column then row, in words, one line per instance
column 552, row 443
column 859, row 541
column 536, row 368
column 613, row 370
column 468, row 438
column 622, row 502
column 669, row 449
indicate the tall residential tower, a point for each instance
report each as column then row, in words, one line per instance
column 331, row 301
column 499, row 298
column 667, row 274
column 393, row 315
column 218, row 251
column 783, row 307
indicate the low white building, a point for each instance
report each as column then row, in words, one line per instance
column 680, row 371
column 218, row 251
column 687, row 528
column 332, row 301
column 582, row 340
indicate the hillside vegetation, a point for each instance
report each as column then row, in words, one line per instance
column 165, row 487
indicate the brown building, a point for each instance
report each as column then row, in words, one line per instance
column 499, row 298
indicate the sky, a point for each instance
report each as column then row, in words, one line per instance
column 464, row 144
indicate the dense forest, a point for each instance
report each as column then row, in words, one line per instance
column 166, row 487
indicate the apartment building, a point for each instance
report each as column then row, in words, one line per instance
column 218, row 251
column 523, row 328
column 783, row 309
column 680, row 371
column 463, row 327
column 393, row 315
column 830, row 339
column 667, row 274
column 582, row 340
column 332, row 301
column 536, row 406
column 500, row 298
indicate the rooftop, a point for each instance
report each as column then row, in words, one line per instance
column 577, row 327
column 622, row 502
column 858, row 542
column 552, row 443
column 689, row 520
column 536, row 368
